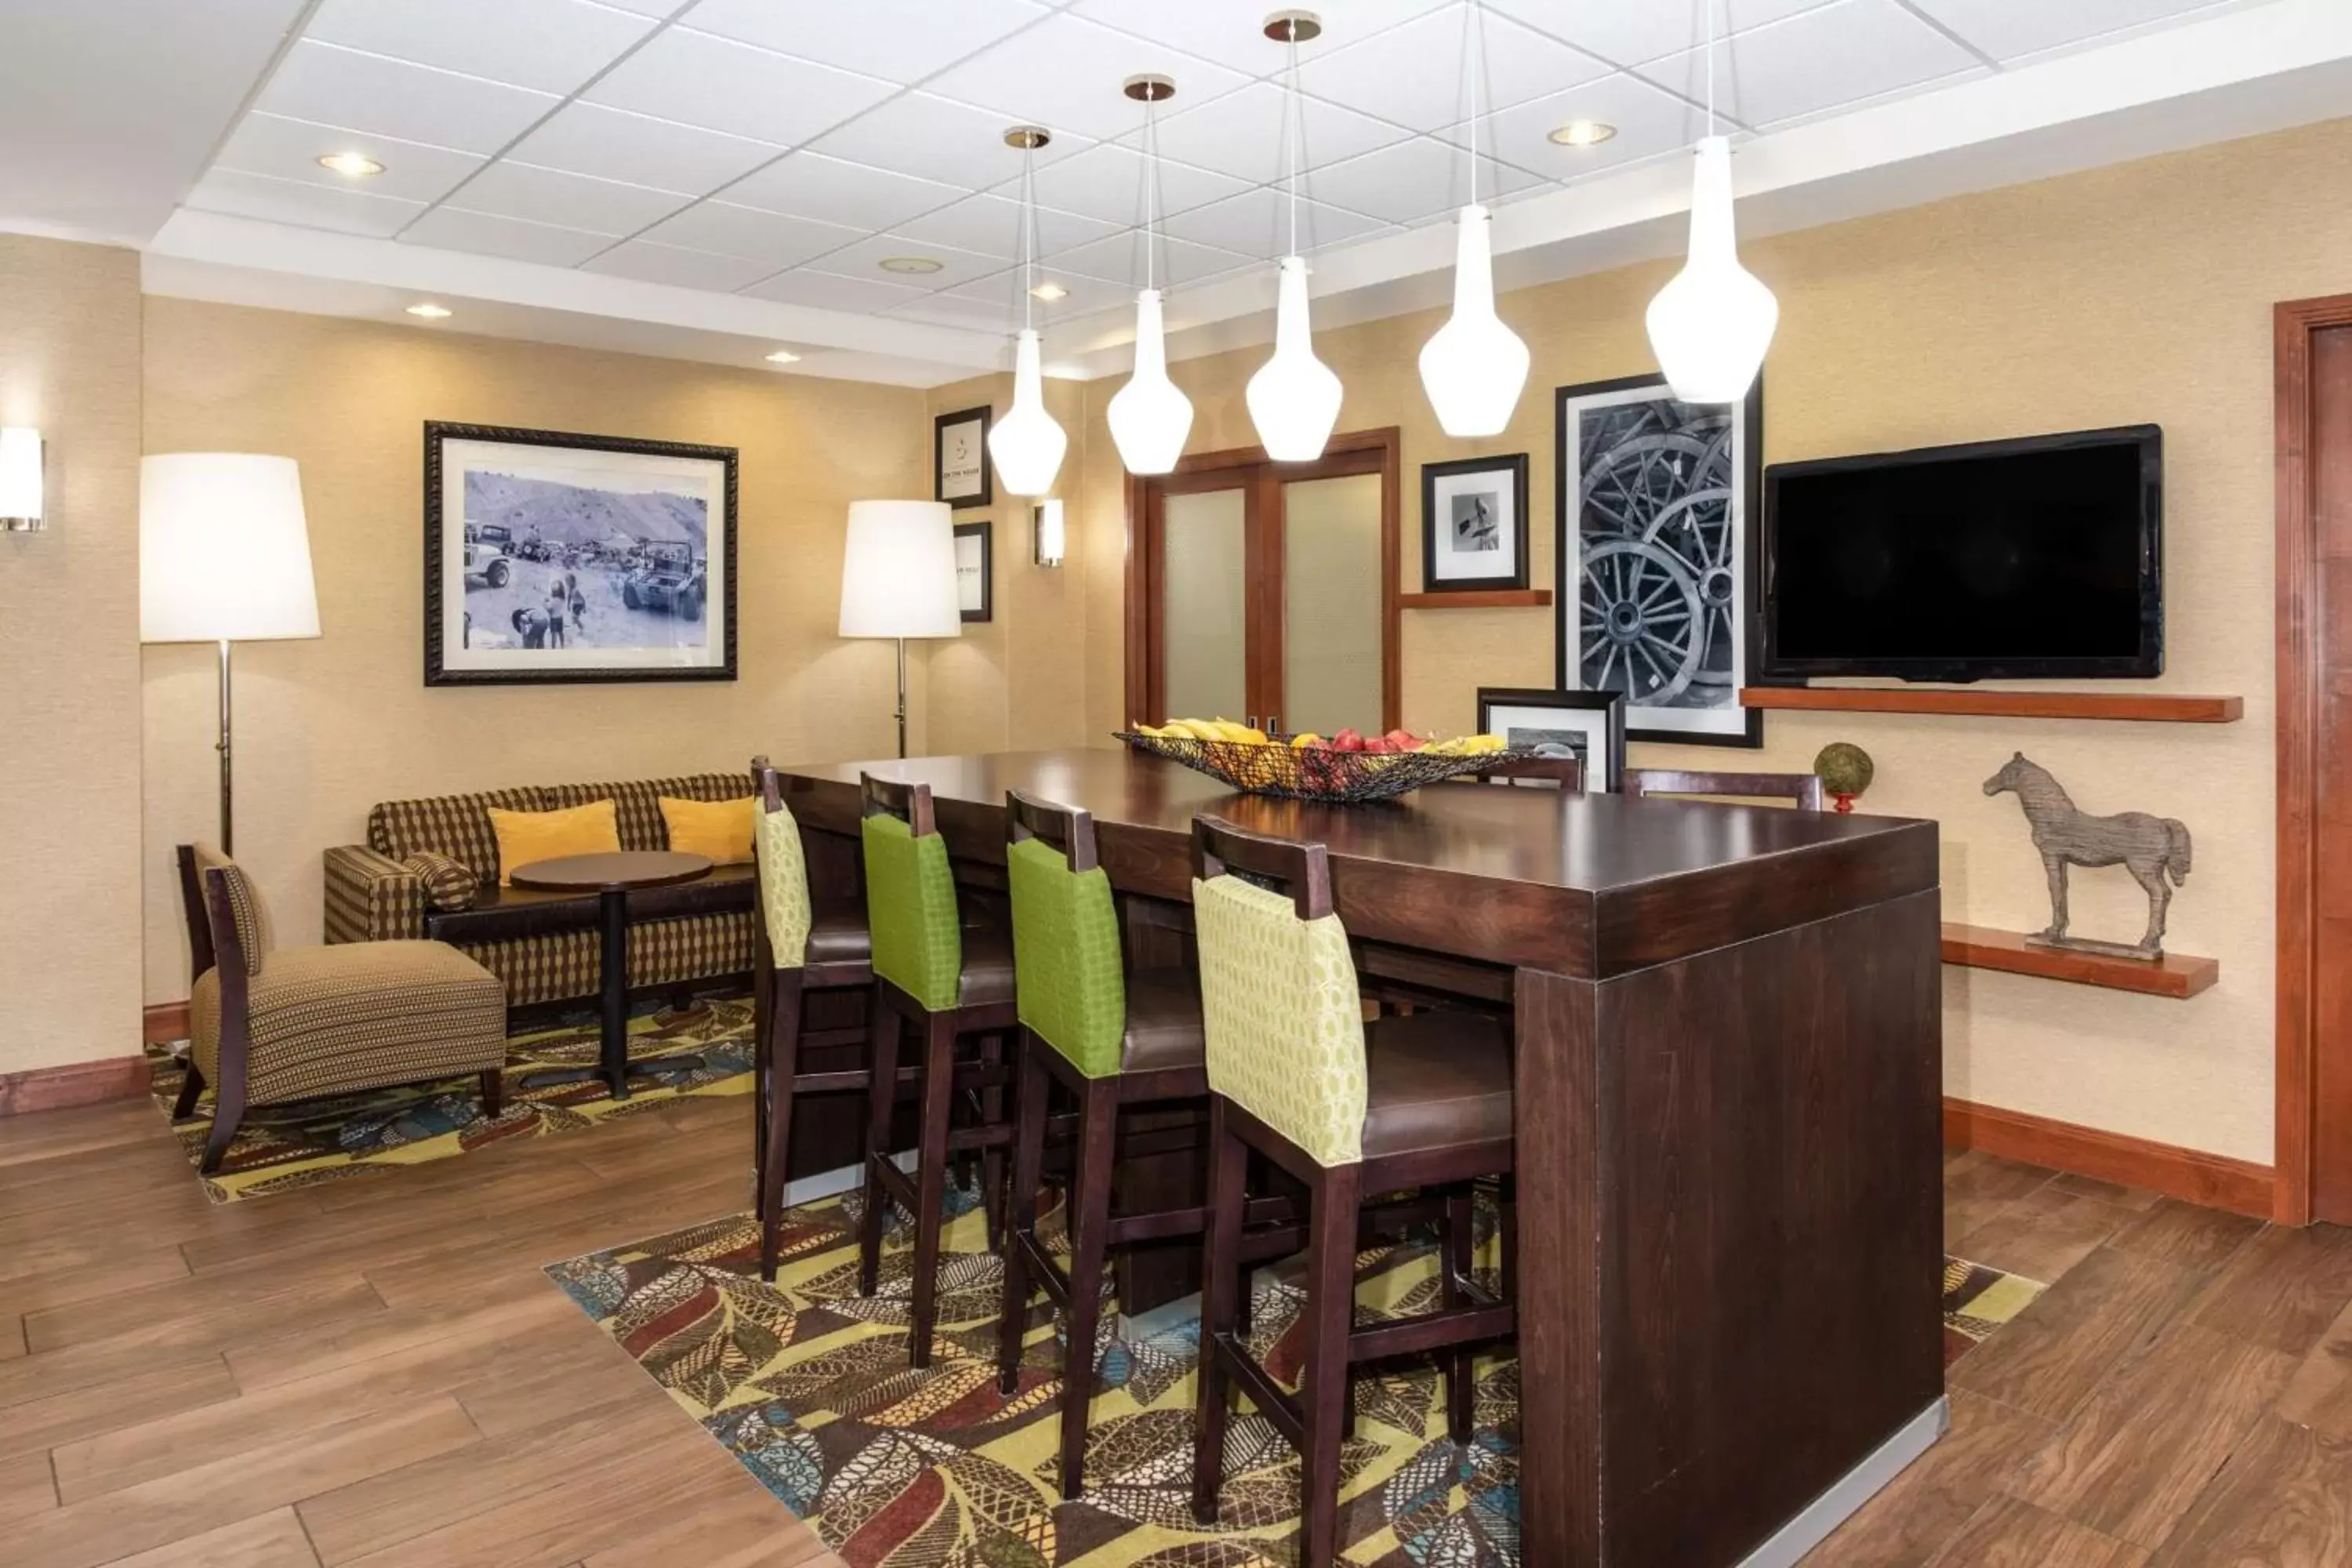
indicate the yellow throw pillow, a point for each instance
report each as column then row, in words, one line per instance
column 719, row 828
column 527, row 836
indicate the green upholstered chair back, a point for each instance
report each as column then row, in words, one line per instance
column 1279, row 1002
column 784, row 912
column 1069, row 981
column 910, row 896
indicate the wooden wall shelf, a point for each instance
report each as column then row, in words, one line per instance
column 2176, row 975
column 1479, row 599
column 2147, row 707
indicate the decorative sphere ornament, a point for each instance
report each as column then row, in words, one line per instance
column 1845, row 771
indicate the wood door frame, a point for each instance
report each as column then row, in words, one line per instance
column 2295, row 1141
column 1378, row 451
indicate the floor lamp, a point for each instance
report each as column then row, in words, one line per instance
column 223, row 556
column 898, row 578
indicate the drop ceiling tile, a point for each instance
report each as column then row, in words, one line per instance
column 1257, row 223
column 958, row 310
column 1633, row 34
column 770, row 238
column 290, row 150
column 933, row 139
column 241, row 194
column 330, row 86
column 684, row 269
column 483, row 234
column 612, row 144
column 1066, row 74
column 810, row 184
column 1106, row 182
column 830, row 291
column 1650, row 123
column 550, row 45
column 1231, row 32
column 654, row 8
column 898, row 40
column 1119, row 259
column 508, row 189
column 698, row 79
column 1415, row 179
column 991, row 226
column 2007, row 29
column 1241, row 134
column 1413, row 74
column 864, row 259
column 1081, row 296
column 1840, row 54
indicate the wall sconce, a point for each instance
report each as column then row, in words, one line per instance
column 1046, row 536
column 20, row 479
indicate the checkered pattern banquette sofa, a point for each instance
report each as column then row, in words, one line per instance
column 543, row 946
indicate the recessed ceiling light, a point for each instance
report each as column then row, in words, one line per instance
column 1049, row 293
column 783, row 356
column 431, row 312
column 916, row 264
column 350, row 165
column 1583, row 133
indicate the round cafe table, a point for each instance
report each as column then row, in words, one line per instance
column 611, row 877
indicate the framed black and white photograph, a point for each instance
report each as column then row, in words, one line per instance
column 1656, row 556
column 1587, row 725
column 959, row 459
column 975, row 559
column 1474, row 524
column 553, row 557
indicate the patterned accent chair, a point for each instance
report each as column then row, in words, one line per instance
column 430, row 868
column 1349, row 1108
column 799, row 951
column 1110, row 1038
column 953, row 982
column 268, row 1026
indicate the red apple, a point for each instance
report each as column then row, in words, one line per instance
column 1403, row 740
column 1348, row 741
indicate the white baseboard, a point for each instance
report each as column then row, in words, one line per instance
column 1814, row 1523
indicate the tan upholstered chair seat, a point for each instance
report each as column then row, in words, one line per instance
column 330, row 1020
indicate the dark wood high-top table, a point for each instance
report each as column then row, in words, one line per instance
column 1729, row 1083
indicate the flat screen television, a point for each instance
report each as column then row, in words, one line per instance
column 2039, row 557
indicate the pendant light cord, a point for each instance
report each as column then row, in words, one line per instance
column 1028, row 238
column 1710, row 67
column 1474, row 59
column 1293, row 132
column 1150, row 187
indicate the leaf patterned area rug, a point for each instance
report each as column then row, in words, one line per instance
column 1979, row 1300
column 349, row 1136
column 808, row 1385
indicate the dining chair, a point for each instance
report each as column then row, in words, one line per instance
column 954, row 982
column 1564, row 773
column 1350, row 1108
column 799, row 951
column 1803, row 789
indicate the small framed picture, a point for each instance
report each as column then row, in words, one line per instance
column 1474, row 524
column 959, row 459
column 975, row 556
column 1587, row 725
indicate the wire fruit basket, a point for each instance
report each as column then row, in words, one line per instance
column 1311, row 772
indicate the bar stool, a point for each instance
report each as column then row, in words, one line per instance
column 1803, row 791
column 952, row 981
column 1349, row 1108
column 1112, row 1039
column 798, row 952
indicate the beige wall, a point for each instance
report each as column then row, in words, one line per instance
column 70, row 661
column 2140, row 292
column 324, row 729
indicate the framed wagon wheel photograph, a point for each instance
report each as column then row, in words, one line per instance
column 1656, row 556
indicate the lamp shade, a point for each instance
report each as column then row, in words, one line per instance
column 1474, row 368
column 898, row 571
column 20, row 477
column 224, row 550
column 1026, row 442
column 1294, row 398
column 1150, row 417
column 1713, row 321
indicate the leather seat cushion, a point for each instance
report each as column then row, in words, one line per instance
column 987, row 977
column 839, row 939
column 1435, row 1080
column 1163, row 1021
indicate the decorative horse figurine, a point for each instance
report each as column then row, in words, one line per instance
column 2148, row 847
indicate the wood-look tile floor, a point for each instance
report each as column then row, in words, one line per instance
column 378, row 1373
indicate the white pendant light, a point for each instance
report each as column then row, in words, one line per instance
column 1713, row 321
column 1294, row 399
column 1150, row 417
column 1475, row 368
column 1026, row 442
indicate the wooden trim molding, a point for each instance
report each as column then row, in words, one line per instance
column 72, row 1083
column 2177, row 974
column 1479, row 599
column 2192, row 1175
column 2143, row 707
column 163, row 1023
